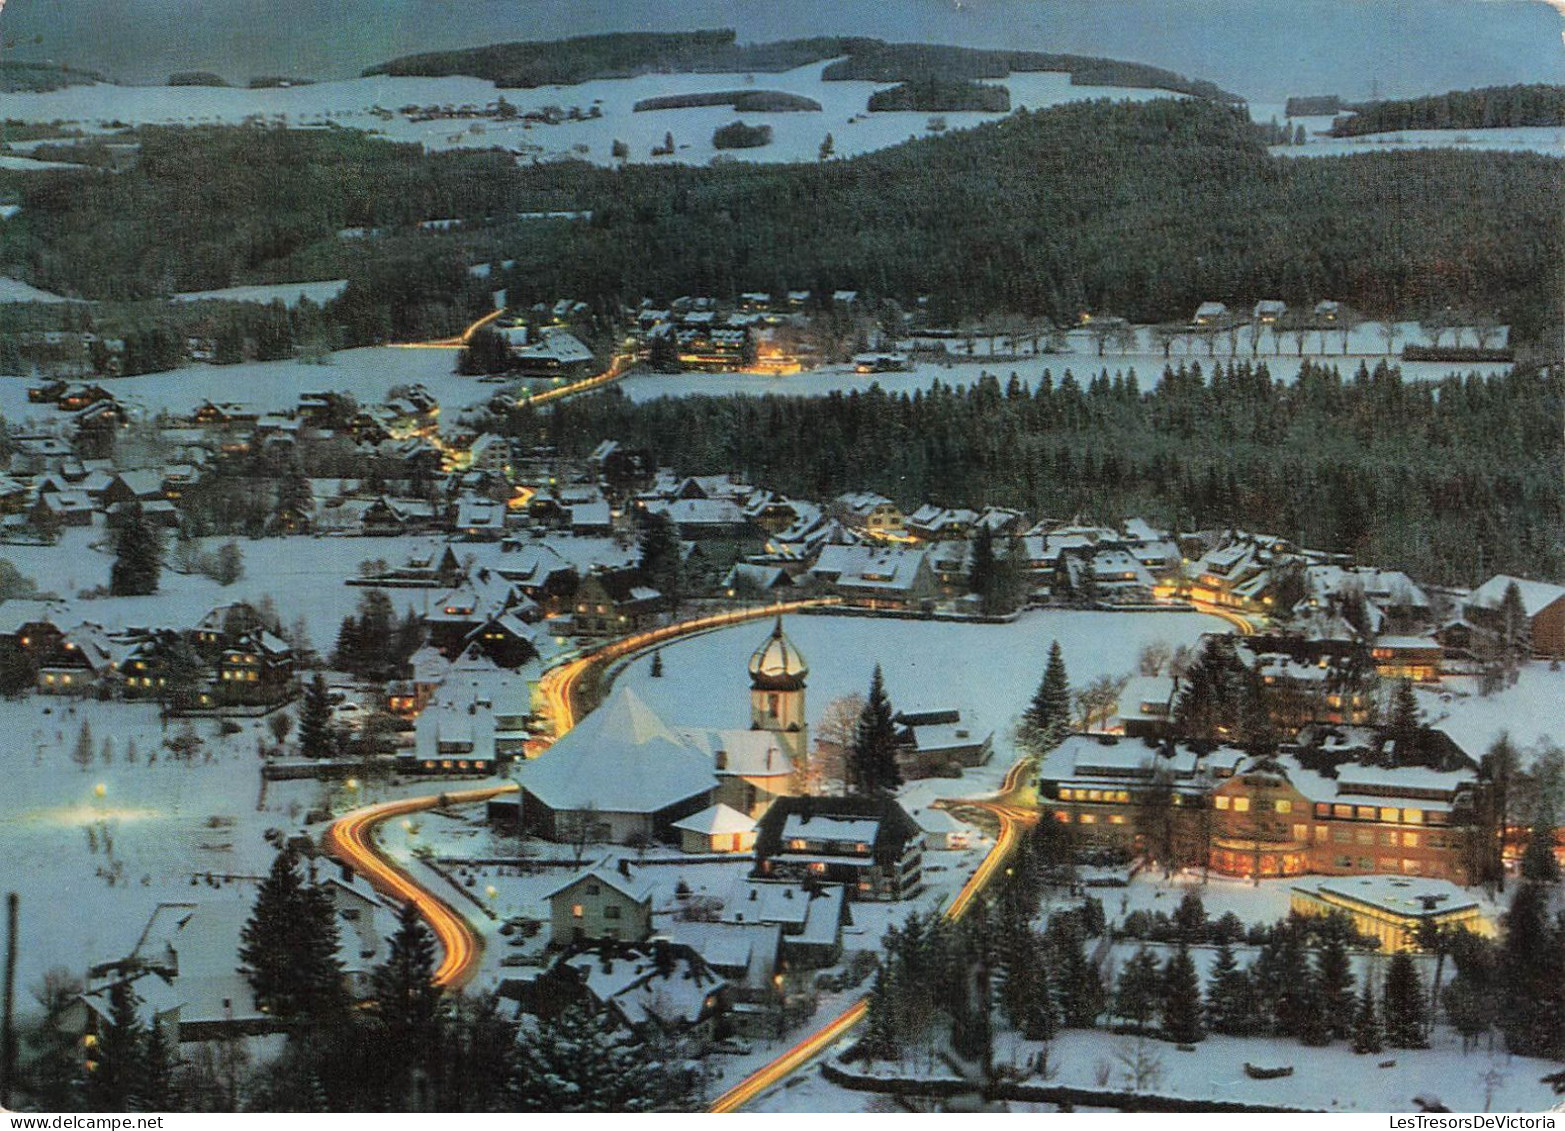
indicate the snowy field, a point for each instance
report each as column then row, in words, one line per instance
column 1547, row 140
column 303, row 576
column 288, row 293
column 797, row 135
column 987, row 671
column 14, row 290
column 368, row 374
column 165, row 821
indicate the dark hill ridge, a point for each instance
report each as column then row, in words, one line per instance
column 622, row 55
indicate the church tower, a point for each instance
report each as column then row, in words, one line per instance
column 777, row 675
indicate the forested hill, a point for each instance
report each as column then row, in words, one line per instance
column 1139, row 209
column 621, row 55
column 1491, row 107
column 1144, row 210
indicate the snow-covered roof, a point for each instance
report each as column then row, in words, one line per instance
column 621, row 758
column 1400, row 895
column 742, row 753
column 605, row 871
column 1536, row 595
column 717, row 820
column 835, row 830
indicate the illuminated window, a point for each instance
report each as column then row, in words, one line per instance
column 818, row 868
column 1062, row 816
column 1088, row 819
column 1412, row 816
column 1094, row 795
column 578, row 911
column 1283, row 806
column 796, row 844
column 1222, row 801
column 1410, row 840
column 1067, row 794
column 1121, row 796
column 1342, row 810
column 1241, row 805
column 1366, row 813
column 1388, row 814
column 1117, row 819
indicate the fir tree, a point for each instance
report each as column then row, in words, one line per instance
column 1190, row 918
column 116, row 1066
column 1530, row 971
column 406, row 998
column 1230, row 996
column 1047, row 718
column 1138, row 993
column 1078, row 988
column 295, row 501
column 873, row 755
column 1334, row 975
column 1405, row 715
column 81, row 753
column 1366, row 1023
column 138, row 557
column 1404, row 1004
column 661, row 564
column 156, row 1087
column 315, row 733
column 1181, row 1012
column 657, row 665
column 288, row 950
column 580, row 1062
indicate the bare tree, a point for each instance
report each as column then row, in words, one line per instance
column 578, row 828
column 1154, row 658
column 834, row 736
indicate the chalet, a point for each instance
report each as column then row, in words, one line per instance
column 1146, row 706
column 870, row 514
column 449, row 738
column 703, row 518
column 717, row 828
column 94, row 427
column 481, row 599
column 1268, row 310
column 878, row 577
column 14, row 496
column 83, row 659
column 1209, row 314
column 942, row 832
column 869, row 845
column 386, row 517
column 930, row 523
column 227, row 414
column 811, row 916
column 62, row 508
column 603, row 902
column 480, row 519
column 748, row 957
column 1328, row 310
column 557, row 353
column 256, row 669
column 506, row 639
column 936, row 741
column 426, row 670
column 593, row 519
column 77, row 397
column 1417, row 658
column 748, row 577
column 1542, row 602
column 619, row 775
column 610, row 603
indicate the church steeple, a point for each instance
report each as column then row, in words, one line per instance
column 777, row 677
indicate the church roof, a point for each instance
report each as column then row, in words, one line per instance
column 621, row 758
column 778, row 665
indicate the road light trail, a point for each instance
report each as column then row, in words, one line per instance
column 1014, row 816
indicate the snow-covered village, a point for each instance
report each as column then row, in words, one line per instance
column 563, row 567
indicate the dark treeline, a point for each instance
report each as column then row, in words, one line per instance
column 1451, row 482
column 15, row 76
column 743, row 101
column 874, row 61
column 616, row 55
column 942, row 94
column 1492, row 106
column 623, row 54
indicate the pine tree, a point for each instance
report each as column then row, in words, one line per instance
column 81, row 753
column 1405, row 715
column 1366, row 1023
column 295, row 501
column 315, row 737
column 661, row 564
column 1078, row 988
column 1530, row 970
column 156, row 1087
column 322, row 992
column 657, row 664
column 1047, row 718
column 406, row 998
column 1190, row 918
column 116, row 1066
column 1404, row 1004
column 873, row 755
column 1230, row 996
column 580, row 1062
column 1181, row 1012
column 1334, row 976
column 138, row 557
column 981, row 571
column 1138, row 993
column 266, row 953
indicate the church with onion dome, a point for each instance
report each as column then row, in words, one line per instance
column 631, row 777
